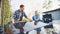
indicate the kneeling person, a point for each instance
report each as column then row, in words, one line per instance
column 18, row 15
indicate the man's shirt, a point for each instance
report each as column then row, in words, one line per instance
column 18, row 15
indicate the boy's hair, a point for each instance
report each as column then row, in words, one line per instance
column 21, row 5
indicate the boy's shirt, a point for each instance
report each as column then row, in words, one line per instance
column 36, row 17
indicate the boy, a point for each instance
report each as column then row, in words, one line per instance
column 36, row 18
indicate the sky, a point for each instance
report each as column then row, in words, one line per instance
column 33, row 5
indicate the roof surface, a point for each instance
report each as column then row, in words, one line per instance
column 52, row 10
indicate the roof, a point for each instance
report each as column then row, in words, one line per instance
column 52, row 10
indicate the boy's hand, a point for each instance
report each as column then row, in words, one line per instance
column 36, row 19
column 35, row 23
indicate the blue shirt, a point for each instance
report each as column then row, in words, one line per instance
column 36, row 17
column 18, row 15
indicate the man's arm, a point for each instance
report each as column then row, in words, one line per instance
column 13, row 21
column 27, row 17
column 14, row 17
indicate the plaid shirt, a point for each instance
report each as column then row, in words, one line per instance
column 19, row 15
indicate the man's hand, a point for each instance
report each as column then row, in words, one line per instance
column 30, row 19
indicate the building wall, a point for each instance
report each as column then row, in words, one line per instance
column 55, row 15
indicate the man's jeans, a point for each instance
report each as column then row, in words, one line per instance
column 18, row 25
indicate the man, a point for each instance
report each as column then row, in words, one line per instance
column 18, row 15
column 36, row 18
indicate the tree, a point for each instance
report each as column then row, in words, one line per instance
column 47, row 4
column 7, row 11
